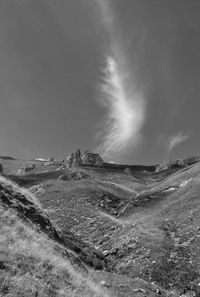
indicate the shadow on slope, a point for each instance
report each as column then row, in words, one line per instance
column 12, row 197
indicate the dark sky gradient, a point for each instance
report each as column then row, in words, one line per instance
column 51, row 54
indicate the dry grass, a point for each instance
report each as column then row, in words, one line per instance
column 30, row 265
column 10, row 184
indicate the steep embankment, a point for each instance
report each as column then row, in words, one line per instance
column 27, row 208
column 35, row 260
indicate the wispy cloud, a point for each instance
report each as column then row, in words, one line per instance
column 124, row 105
column 175, row 140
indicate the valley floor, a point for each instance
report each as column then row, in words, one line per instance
column 143, row 227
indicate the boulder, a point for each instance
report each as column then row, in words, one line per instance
column 105, row 284
column 74, row 160
column 91, row 159
column 163, row 166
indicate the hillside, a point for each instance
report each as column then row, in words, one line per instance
column 125, row 230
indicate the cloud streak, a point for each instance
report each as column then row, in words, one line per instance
column 175, row 140
column 124, row 105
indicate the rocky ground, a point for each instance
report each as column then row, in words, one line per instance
column 143, row 226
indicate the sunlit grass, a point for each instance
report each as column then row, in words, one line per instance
column 30, row 265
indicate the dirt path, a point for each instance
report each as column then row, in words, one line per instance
column 118, row 186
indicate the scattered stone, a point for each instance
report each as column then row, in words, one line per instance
column 25, row 169
column 106, row 252
column 91, row 159
column 113, row 228
column 171, row 189
column 185, row 182
column 128, row 171
column 105, row 284
column 158, row 292
column 37, row 189
column 61, row 167
column 139, row 290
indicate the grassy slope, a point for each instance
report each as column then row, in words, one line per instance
column 146, row 224
column 31, row 265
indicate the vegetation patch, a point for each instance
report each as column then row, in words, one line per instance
column 174, row 268
column 30, row 265
column 74, row 174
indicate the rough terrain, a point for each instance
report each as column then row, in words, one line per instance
column 136, row 230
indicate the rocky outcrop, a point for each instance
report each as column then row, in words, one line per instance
column 26, row 169
column 170, row 165
column 86, row 159
column 74, row 160
column 91, row 159
column 177, row 163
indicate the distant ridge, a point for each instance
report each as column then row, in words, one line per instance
column 7, row 158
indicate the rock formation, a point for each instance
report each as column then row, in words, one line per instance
column 86, row 159
column 170, row 165
column 91, row 159
column 74, row 160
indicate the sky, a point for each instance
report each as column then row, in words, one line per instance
column 121, row 78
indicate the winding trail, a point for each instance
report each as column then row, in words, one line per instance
column 121, row 187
